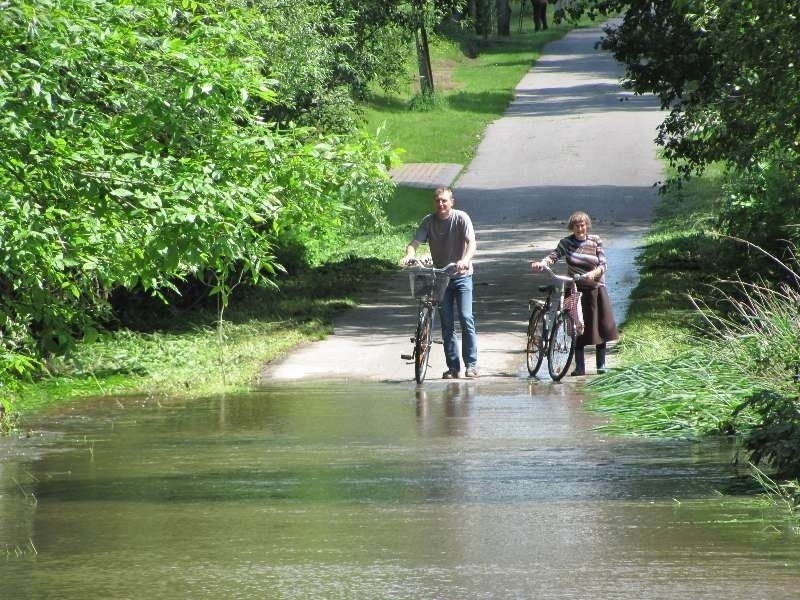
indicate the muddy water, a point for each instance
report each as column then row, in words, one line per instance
column 465, row 490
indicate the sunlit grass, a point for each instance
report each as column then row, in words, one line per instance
column 474, row 82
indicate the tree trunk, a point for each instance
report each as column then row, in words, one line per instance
column 424, row 60
column 503, row 9
column 483, row 17
column 423, row 51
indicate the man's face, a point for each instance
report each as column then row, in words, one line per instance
column 443, row 204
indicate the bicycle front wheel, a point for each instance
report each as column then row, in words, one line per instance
column 535, row 350
column 422, row 345
column 561, row 346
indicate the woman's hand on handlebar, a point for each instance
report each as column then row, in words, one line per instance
column 537, row 265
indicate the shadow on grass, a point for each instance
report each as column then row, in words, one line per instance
column 488, row 103
column 307, row 293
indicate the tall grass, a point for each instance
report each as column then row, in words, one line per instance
column 699, row 339
column 759, row 330
column 747, row 341
column 785, row 495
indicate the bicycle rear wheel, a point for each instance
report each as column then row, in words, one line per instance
column 561, row 346
column 535, row 350
column 422, row 344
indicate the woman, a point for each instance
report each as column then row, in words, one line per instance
column 586, row 262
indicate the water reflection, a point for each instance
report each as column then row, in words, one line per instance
column 463, row 489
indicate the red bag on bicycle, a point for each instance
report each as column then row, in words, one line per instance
column 573, row 305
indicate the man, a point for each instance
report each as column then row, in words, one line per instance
column 451, row 239
column 539, row 15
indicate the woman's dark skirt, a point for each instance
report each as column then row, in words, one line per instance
column 598, row 318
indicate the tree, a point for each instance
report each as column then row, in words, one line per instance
column 380, row 25
column 141, row 150
column 503, row 10
column 726, row 72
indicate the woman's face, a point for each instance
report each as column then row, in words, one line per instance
column 580, row 229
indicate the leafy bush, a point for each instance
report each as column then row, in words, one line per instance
column 776, row 438
column 764, row 202
column 136, row 154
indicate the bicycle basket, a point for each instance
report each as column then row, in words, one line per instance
column 421, row 284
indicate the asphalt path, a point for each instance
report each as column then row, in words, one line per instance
column 572, row 139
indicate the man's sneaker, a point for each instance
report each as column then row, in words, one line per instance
column 471, row 373
column 450, row 375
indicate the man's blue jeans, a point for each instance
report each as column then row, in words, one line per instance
column 459, row 295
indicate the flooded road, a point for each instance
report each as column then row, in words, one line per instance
column 335, row 490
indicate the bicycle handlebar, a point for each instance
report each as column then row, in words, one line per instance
column 555, row 275
column 416, row 264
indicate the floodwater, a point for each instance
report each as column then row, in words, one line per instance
column 362, row 491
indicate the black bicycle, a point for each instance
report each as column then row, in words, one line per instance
column 551, row 330
column 428, row 283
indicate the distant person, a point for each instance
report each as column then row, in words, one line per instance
column 539, row 15
column 451, row 239
column 586, row 262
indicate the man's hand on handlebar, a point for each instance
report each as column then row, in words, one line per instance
column 416, row 261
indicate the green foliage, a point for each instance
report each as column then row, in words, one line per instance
column 184, row 347
column 138, row 153
column 199, row 356
column 776, row 438
column 686, row 395
column 698, row 341
column 764, row 202
column 726, row 71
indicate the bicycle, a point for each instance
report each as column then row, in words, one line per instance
column 551, row 330
column 428, row 283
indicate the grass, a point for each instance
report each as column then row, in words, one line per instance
column 474, row 81
column 663, row 387
column 698, row 341
column 187, row 352
column 661, row 320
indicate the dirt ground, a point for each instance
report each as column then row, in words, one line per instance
column 572, row 139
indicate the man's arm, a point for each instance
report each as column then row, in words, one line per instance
column 463, row 264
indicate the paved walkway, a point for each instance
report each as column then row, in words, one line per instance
column 571, row 139
column 426, row 175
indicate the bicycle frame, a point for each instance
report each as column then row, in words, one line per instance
column 547, row 323
column 428, row 301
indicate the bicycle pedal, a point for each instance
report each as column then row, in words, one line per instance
column 406, row 356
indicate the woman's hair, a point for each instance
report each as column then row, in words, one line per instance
column 579, row 216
